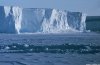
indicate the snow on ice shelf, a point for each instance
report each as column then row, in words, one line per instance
column 40, row 20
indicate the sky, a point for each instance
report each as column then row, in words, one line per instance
column 90, row 7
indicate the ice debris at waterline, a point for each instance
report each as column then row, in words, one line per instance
column 64, row 48
column 40, row 20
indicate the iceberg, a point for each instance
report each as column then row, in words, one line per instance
column 40, row 20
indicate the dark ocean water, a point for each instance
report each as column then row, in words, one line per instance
column 93, row 23
column 50, row 49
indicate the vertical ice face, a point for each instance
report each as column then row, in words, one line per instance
column 12, row 19
column 57, row 22
column 76, row 21
column 83, row 24
column 6, row 20
column 63, row 21
column 7, row 10
column 17, row 13
column 34, row 20
column 31, row 20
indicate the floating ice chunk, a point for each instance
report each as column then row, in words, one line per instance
column 46, row 49
column 31, row 49
column 14, row 46
column 7, row 47
column 26, row 45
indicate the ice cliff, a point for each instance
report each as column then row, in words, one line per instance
column 40, row 20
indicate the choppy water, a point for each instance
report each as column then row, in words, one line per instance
column 50, row 49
